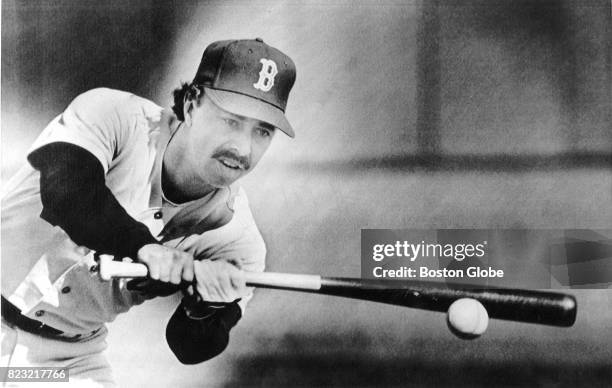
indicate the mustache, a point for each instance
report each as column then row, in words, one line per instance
column 243, row 161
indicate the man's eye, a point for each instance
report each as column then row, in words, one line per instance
column 231, row 122
column 263, row 132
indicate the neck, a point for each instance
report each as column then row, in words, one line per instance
column 177, row 182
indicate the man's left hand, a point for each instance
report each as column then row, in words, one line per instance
column 219, row 281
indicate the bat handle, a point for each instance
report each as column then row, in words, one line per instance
column 283, row 280
column 109, row 269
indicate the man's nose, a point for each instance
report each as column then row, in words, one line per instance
column 241, row 143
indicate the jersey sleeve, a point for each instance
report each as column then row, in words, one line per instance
column 98, row 120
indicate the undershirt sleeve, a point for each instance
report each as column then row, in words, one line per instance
column 75, row 197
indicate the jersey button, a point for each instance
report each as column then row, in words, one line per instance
column 39, row 313
column 158, row 215
column 65, row 290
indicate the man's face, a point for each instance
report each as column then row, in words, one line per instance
column 221, row 146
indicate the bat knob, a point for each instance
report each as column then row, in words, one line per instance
column 109, row 269
column 105, row 267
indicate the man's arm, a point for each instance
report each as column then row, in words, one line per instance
column 75, row 197
column 200, row 327
column 199, row 331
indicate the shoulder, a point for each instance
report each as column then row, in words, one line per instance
column 102, row 95
column 109, row 96
column 105, row 122
column 106, row 103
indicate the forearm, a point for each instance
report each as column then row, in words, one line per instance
column 75, row 197
column 194, row 340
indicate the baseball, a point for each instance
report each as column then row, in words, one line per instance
column 467, row 318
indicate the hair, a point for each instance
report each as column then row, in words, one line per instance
column 184, row 93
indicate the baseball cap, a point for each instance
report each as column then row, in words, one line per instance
column 248, row 78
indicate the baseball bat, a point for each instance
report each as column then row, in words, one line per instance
column 541, row 307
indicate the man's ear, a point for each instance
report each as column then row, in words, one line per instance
column 187, row 110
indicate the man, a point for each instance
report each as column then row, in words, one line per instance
column 116, row 174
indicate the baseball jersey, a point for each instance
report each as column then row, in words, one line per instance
column 49, row 277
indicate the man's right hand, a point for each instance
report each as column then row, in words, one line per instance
column 167, row 264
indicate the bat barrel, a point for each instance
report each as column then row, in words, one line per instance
column 547, row 308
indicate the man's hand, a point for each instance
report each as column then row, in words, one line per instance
column 167, row 264
column 219, row 281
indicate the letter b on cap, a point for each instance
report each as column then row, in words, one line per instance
column 266, row 75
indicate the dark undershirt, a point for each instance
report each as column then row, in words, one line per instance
column 75, row 197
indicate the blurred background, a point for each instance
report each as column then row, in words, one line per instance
column 408, row 114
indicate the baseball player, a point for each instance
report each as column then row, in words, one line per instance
column 116, row 174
